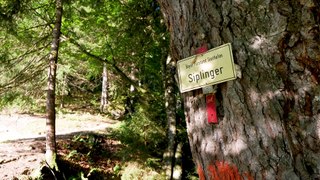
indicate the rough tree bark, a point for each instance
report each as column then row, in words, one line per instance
column 51, row 151
column 104, row 92
column 270, row 119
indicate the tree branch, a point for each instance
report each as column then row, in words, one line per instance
column 111, row 64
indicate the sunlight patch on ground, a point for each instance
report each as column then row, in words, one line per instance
column 21, row 126
column 134, row 169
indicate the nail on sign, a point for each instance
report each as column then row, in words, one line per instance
column 212, row 67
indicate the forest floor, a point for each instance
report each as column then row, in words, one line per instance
column 22, row 143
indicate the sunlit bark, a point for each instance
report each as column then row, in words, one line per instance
column 51, row 151
column 268, row 120
column 104, row 91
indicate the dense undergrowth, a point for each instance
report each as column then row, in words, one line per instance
column 100, row 156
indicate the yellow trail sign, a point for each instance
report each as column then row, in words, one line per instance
column 213, row 67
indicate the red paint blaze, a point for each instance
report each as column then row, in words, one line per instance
column 224, row 171
column 201, row 173
column 211, row 109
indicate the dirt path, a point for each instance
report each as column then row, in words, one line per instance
column 22, row 142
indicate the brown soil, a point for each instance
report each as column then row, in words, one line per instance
column 22, row 143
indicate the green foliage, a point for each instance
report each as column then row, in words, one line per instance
column 8, row 8
column 89, row 144
column 117, row 169
column 145, row 129
column 154, row 163
column 24, row 45
column 79, row 176
column 72, row 154
column 19, row 103
column 127, row 33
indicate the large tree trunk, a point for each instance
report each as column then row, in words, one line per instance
column 51, row 115
column 270, row 119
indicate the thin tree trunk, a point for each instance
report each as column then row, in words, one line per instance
column 268, row 120
column 104, row 92
column 51, row 151
column 170, row 100
column 177, row 168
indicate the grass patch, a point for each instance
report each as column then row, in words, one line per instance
column 136, row 171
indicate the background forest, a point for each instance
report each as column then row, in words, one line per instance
column 112, row 62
